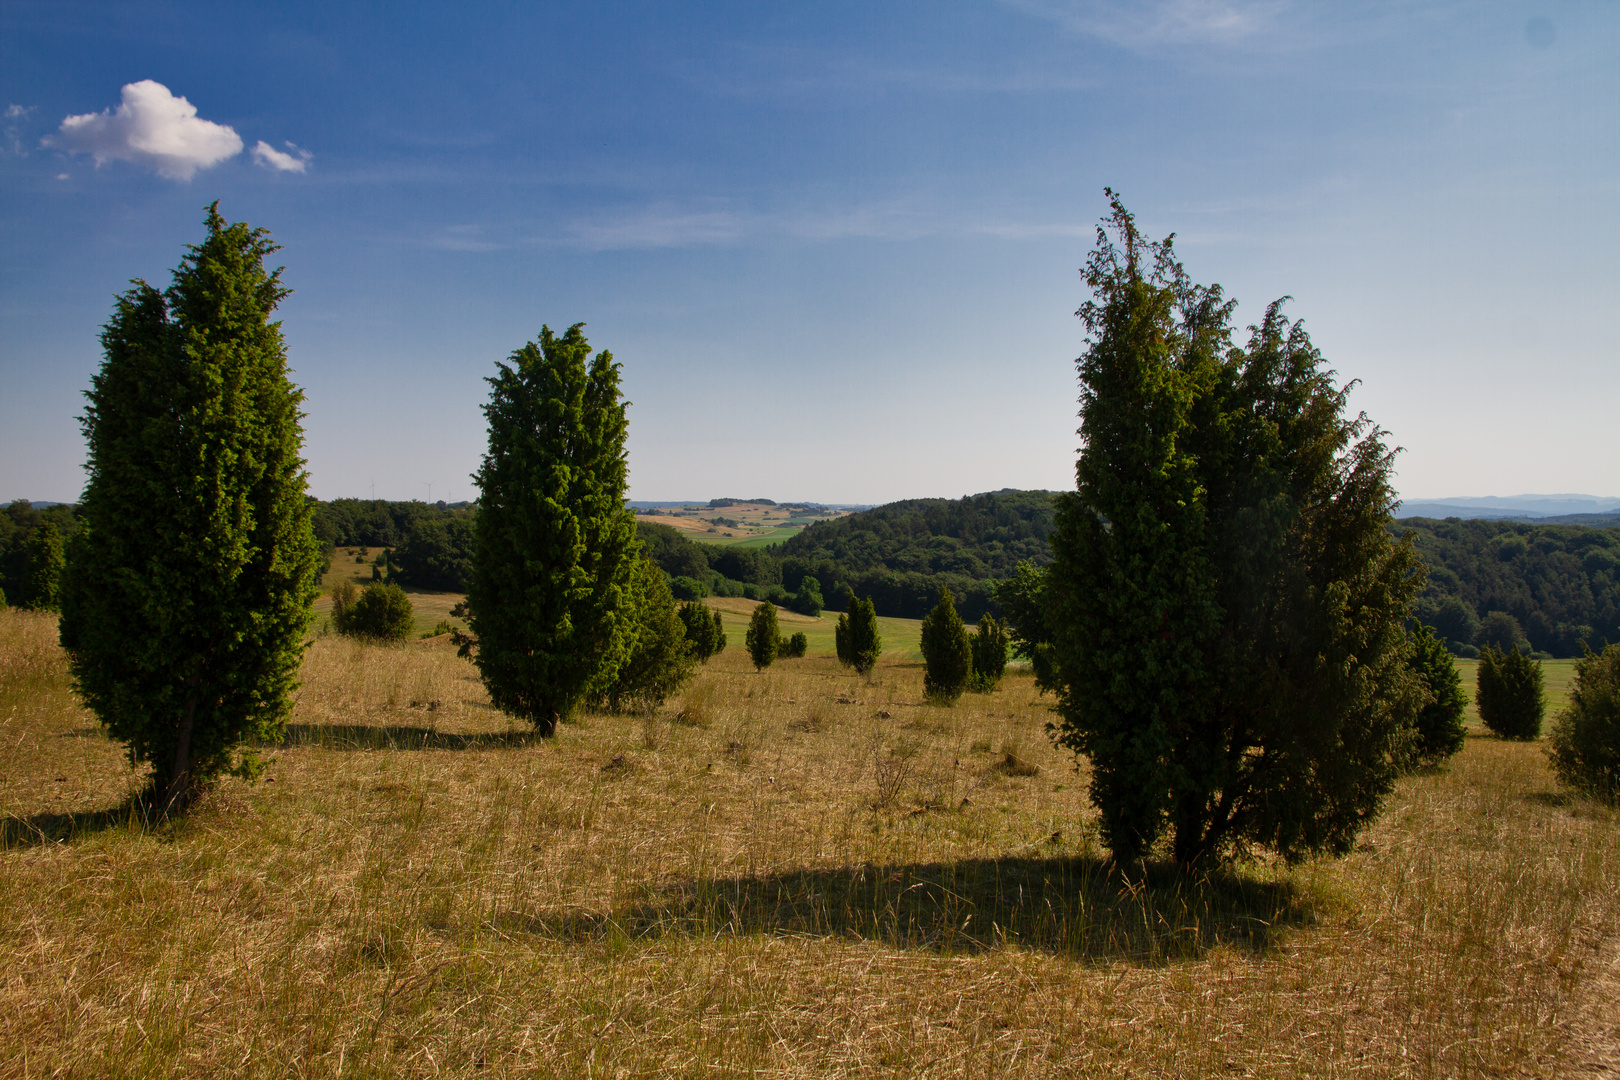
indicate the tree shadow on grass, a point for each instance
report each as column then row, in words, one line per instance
column 1084, row 909
column 399, row 737
column 55, row 828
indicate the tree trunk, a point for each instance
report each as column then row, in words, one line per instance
column 179, row 792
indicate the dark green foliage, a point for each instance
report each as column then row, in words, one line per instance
column 42, row 580
column 378, row 522
column 1024, row 602
column 1584, row 743
column 793, row 646
column 551, row 601
column 858, row 641
column 1500, row 631
column 661, row 660
column 719, row 633
column 899, row 555
column 807, row 601
column 685, row 588
column 1226, row 603
column 190, row 586
column 1560, row 583
column 437, row 553
column 1439, row 731
column 20, row 520
column 703, row 634
column 1455, row 622
column 763, row 639
column 989, row 647
column 1509, row 693
column 947, row 653
column 380, row 612
column 677, row 553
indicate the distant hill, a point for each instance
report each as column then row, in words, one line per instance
column 1508, row 507
column 899, row 554
column 902, row 553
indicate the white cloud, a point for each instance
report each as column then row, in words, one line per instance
column 280, row 160
column 1173, row 22
column 150, row 128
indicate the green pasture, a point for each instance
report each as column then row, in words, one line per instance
column 902, row 638
column 775, row 536
column 1556, row 676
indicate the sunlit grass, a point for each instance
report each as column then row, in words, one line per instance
column 790, row 873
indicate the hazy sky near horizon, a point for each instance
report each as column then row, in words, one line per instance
column 835, row 246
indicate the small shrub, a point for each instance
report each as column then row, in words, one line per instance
column 857, row 639
column 440, row 627
column 793, row 646
column 382, row 612
column 703, row 634
column 344, row 594
column 763, row 638
column 661, row 660
column 1438, row 732
column 1510, row 698
column 1585, row 737
column 807, row 601
column 947, row 654
column 989, row 649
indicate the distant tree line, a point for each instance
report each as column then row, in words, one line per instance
column 32, row 542
column 1507, row 583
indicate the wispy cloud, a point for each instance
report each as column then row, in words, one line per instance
column 723, row 224
column 1160, row 22
column 12, row 131
column 293, row 159
column 150, row 128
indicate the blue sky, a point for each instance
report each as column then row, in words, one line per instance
column 835, row 246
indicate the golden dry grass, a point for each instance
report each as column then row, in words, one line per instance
column 792, row 873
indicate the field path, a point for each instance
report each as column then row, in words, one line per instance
column 1594, row 1023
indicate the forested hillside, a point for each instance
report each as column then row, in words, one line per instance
column 432, row 542
column 1560, row 584
column 899, row 555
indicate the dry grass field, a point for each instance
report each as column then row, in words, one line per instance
column 790, row 873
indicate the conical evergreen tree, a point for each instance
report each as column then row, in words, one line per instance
column 719, row 634
column 551, row 602
column 702, row 635
column 1226, row 603
column 42, row 583
column 989, row 647
column 190, row 585
column 863, row 641
column 763, row 638
column 947, row 654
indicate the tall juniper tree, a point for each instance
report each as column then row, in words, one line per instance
column 1227, row 607
column 190, row 586
column 551, row 601
column 947, row 651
